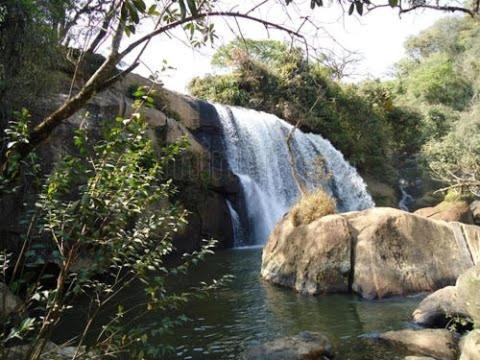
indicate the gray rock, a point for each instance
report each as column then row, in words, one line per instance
column 468, row 288
column 470, row 346
column 306, row 345
column 8, row 302
column 437, row 343
column 418, row 358
column 475, row 208
column 438, row 308
column 51, row 351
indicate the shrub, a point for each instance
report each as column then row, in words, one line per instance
column 312, row 206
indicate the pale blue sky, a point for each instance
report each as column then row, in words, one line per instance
column 378, row 37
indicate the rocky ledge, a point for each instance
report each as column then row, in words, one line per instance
column 376, row 253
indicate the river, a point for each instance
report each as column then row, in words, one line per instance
column 250, row 311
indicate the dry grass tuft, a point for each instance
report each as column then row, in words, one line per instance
column 311, row 207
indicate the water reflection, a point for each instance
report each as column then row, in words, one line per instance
column 251, row 311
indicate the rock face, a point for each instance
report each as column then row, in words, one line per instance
column 306, row 345
column 449, row 211
column 468, row 288
column 475, row 209
column 470, row 346
column 376, row 253
column 437, row 343
column 288, row 255
column 438, row 308
column 8, row 302
column 204, row 181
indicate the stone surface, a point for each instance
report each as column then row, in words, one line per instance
column 306, row 345
column 470, row 346
column 437, row 343
column 437, row 308
column 51, row 351
column 468, row 288
column 383, row 194
column 377, row 253
column 202, row 178
column 8, row 302
column 475, row 209
column 449, row 211
column 418, row 358
column 313, row 258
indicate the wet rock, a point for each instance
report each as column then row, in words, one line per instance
column 306, row 345
column 470, row 346
column 438, row 308
column 437, row 343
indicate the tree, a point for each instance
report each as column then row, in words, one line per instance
column 104, row 219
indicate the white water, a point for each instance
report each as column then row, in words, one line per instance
column 406, row 199
column 257, row 153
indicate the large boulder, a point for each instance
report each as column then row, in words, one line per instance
column 438, row 308
column 312, row 258
column 468, row 288
column 470, row 346
column 440, row 344
column 376, row 253
column 449, row 211
column 306, row 345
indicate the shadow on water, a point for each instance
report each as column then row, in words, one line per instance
column 250, row 311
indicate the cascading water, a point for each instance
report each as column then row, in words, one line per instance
column 257, row 152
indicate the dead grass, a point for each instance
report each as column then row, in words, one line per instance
column 311, row 207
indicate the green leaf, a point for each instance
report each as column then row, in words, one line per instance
column 140, row 5
column 352, row 7
column 192, row 7
column 183, row 9
column 393, row 3
column 359, row 6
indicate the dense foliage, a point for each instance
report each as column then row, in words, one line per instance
column 102, row 223
column 440, row 78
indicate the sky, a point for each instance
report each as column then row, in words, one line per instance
column 377, row 39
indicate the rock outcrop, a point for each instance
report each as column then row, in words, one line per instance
column 438, row 308
column 202, row 176
column 306, row 345
column 470, row 346
column 376, row 253
column 440, row 344
column 449, row 211
column 9, row 303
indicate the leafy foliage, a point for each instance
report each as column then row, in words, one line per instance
column 108, row 208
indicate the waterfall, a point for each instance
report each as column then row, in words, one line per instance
column 406, row 199
column 257, row 153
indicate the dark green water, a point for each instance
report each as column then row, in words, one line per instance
column 250, row 311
